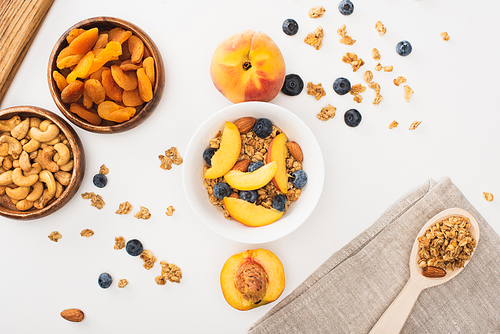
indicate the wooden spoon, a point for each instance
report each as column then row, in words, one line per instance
column 394, row 318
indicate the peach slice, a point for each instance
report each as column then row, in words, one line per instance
column 253, row 180
column 227, row 154
column 277, row 152
column 250, row 214
column 252, row 278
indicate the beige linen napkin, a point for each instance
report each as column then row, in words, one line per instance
column 353, row 288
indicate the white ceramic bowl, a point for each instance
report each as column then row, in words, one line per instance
column 299, row 211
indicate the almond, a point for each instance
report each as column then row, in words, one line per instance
column 241, row 165
column 433, row 272
column 295, row 150
column 245, row 124
column 72, row 314
column 234, row 195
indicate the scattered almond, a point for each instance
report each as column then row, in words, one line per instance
column 241, row 165
column 295, row 151
column 73, row 314
column 433, row 272
column 244, row 124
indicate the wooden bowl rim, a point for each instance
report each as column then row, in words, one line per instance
column 78, row 168
column 158, row 87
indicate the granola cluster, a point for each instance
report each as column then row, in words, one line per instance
column 87, row 233
column 148, row 258
column 315, row 39
column 55, row 236
column 119, row 243
column 171, row 156
column 346, row 39
column 353, row 60
column 169, row 272
column 143, row 213
column 327, row 113
column 446, row 244
column 316, row 90
column 96, row 200
column 124, row 208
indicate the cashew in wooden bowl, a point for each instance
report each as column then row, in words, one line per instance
column 42, row 162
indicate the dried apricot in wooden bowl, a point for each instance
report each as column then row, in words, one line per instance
column 106, row 75
column 19, row 127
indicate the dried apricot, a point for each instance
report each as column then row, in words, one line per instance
column 119, row 35
column 145, row 88
column 82, row 68
column 126, row 80
column 60, row 80
column 84, row 42
column 149, row 67
column 125, row 52
column 72, row 92
column 94, row 89
column 69, row 61
column 147, row 53
column 102, row 40
column 132, row 98
column 136, row 49
column 87, row 101
column 89, row 115
column 113, row 112
column 127, row 65
column 63, row 54
column 112, row 49
column 113, row 91
column 98, row 74
column 74, row 34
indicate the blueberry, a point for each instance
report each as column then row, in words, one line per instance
column 105, row 280
column 254, row 166
column 249, row 196
column 279, row 202
column 346, row 7
column 293, row 85
column 263, row 127
column 299, row 178
column 221, row 190
column 341, row 86
column 208, row 154
column 134, row 247
column 290, row 27
column 352, row 117
column 403, row 48
column 100, row 180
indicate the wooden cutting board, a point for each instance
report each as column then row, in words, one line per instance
column 19, row 23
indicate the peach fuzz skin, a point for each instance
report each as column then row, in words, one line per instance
column 248, row 66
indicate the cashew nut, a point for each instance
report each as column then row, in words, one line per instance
column 44, row 124
column 64, row 154
column 59, row 190
column 2, row 190
column 4, row 149
column 8, row 124
column 35, row 122
column 38, row 158
column 18, row 193
column 47, row 161
column 36, row 192
column 6, row 178
column 14, row 201
column 48, row 178
column 15, row 163
column 7, row 163
column 63, row 177
column 68, row 166
column 15, row 147
column 43, row 200
column 44, row 136
column 35, row 169
column 24, row 161
column 24, row 205
column 23, row 181
column 31, row 146
column 21, row 130
column 53, row 141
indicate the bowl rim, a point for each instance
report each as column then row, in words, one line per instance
column 291, row 222
column 78, row 171
column 158, row 87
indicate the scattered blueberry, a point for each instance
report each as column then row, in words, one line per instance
column 346, row 7
column 134, row 247
column 299, row 178
column 221, row 190
column 249, row 196
column 293, row 85
column 279, row 202
column 263, row 127
column 105, row 280
column 341, row 86
column 403, row 48
column 352, row 117
column 290, row 27
column 100, row 180
column 254, row 166
column 208, row 154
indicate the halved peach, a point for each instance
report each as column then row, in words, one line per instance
column 251, row 180
column 252, row 278
column 277, row 152
column 227, row 154
column 250, row 214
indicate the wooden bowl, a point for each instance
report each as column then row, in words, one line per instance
column 7, row 209
column 107, row 23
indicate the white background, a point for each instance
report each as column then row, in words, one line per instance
column 368, row 168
